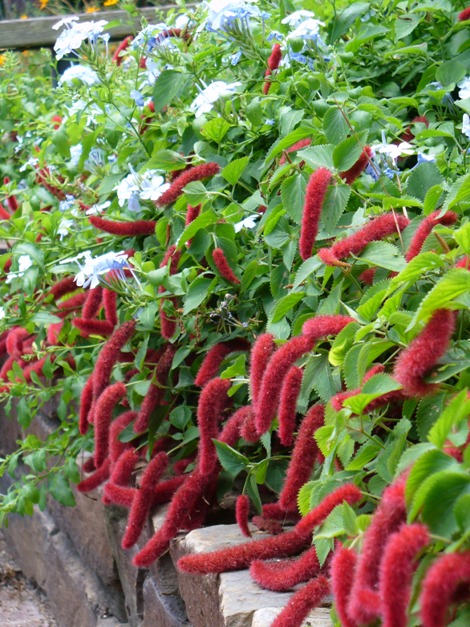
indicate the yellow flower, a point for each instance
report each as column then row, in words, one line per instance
column 23, row 17
column 92, row 9
column 2, row 59
column 43, row 4
column 109, row 3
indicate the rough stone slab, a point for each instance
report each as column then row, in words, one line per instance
column 164, row 610
column 318, row 618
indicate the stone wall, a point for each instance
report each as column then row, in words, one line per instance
column 75, row 556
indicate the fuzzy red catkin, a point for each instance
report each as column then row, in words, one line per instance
column 109, row 355
column 464, row 15
column 123, row 468
column 351, row 175
column 4, row 215
column 302, row 602
column 272, row 527
column 136, row 227
column 314, row 198
column 278, row 367
column 63, row 287
column 375, row 230
column 116, row 447
column 242, row 511
column 211, row 404
column 230, row 434
column 89, row 327
column 166, row 489
column 302, row 143
column 396, row 571
column 273, row 511
column 287, row 405
column 96, row 479
column 192, row 213
column 118, row 494
column 343, row 565
column 103, row 416
column 282, row 576
column 463, row 263
column 364, row 602
column 214, row 357
column 14, row 341
column 53, row 332
column 92, row 302
column 196, row 173
column 167, row 324
column 284, row 545
column 261, row 352
column 273, row 63
column 122, row 46
column 248, row 428
column 415, row 361
column 110, row 306
column 86, row 401
column 320, row 327
column 10, row 200
column 222, row 265
column 425, row 228
column 71, row 304
column 36, row 367
column 143, row 500
column 367, row 276
column 440, row 584
column 156, row 391
column 303, row 457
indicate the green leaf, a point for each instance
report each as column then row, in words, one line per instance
column 231, row 460
column 201, row 222
column 61, row 141
column 251, row 488
column 43, row 317
column 285, row 305
column 335, row 125
column 234, row 170
column 428, row 464
column 334, row 204
column 60, row 489
column 342, row 22
column 422, row 178
column 450, row 72
column 293, row 196
column 196, row 193
column 198, row 291
column 452, row 285
column 456, row 411
column 375, row 387
column 405, row 25
column 437, row 497
column 288, row 141
column 462, row 237
column 348, row 151
column 319, row 156
column 307, row 268
column 237, row 369
column 458, row 193
column 416, row 268
column 384, row 255
column 433, row 199
column 168, row 86
column 216, row 129
column 168, row 160
column 365, row 454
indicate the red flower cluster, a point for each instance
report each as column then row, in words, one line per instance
column 314, row 198
column 222, row 265
column 273, row 63
column 197, row 173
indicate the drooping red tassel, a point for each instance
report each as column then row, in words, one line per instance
column 343, row 566
column 248, row 427
column 302, row 602
column 302, row 143
column 96, row 479
column 122, row 46
column 15, row 340
column 103, row 416
column 215, row 356
column 209, row 411
column 274, row 511
column 192, row 213
column 124, row 468
column 116, row 447
column 118, row 494
column 124, row 229
column 396, row 571
column 197, row 173
column 110, row 306
column 283, row 576
column 278, row 367
column 273, row 63
column 261, row 353
column 230, row 434
column 463, row 263
column 93, row 327
column 222, row 265
column 273, row 527
column 63, row 287
column 71, row 304
column 143, row 500
column 364, row 603
column 320, row 327
column 446, row 575
column 86, row 401
column 287, row 405
column 11, row 201
column 423, row 353
column 93, row 302
column 464, row 15
column 166, row 489
column 351, row 175
column 303, row 457
column 242, row 511
column 314, row 198
column 375, row 230
column 109, row 355
column 425, row 228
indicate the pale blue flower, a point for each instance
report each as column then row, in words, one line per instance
column 152, row 185
column 466, row 125
column 75, row 154
column 93, row 268
column 67, row 204
column 464, row 88
column 137, row 97
column 24, row 263
column 222, row 13
column 75, row 34
column 297, row 17
column 79, row 72
column 208, row 96
column 246, row 223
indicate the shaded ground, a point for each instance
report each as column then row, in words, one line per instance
column 21, row 603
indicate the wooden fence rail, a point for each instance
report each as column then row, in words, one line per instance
column 38, row 32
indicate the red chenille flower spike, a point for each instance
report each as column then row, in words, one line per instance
column 122, row 46
column 415, row 361
column 93, row 327
column 261, row 353
column 343, row 565
column 196, row 173
column 93, row 302
column 103, row 416
column 314, row 197
column 96, row 479
column 124, row 229
column 242, row 511
column 302, row 143
column 230, row 434
column 351, row 175
column 425, row 228
column 215, row 356
column 110, row 306
column 320, row 327
column 222, row 265
column 396, row 571
column 86, row 401
column 464, row 15
column 282, row 576
column 273, row 63
column 209, row 411
column 109, row 355
column 287, row 405
column 116, row 447
column 302, row 602
column 443, row 579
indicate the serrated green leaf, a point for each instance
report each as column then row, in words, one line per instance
column 335, row 125
column 428, row 464
column 196, row 193
column 457, row 410
column 437, row 498
column 433, row 199
column 234, row 170
column 60, row 490
column 348, row 151
column 237, row 369
column 318, row 156
column 201, row 222
column 405, row 25
column 423, row 177
column 443, row 295
column 365, row 454
column 288, row 141
column 285, row 305
column 168, row 86
column 231, row 460
column 383, row 255
column 458, row 193
column 424, row 262
column 198, row 291
column 216, row 129
column 307, row 268
column 293, row 196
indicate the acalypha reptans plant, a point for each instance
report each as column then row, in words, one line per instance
column 237, row 257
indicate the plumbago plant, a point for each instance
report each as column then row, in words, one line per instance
column 237, row 257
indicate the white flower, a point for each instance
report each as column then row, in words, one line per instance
column 464, row 88
column 466, row 125
column 66, row 204
column 97, row 209
column 75, row 34
column 208, row 96
column 94, row 268
column 2, row 313
column 64, row 228
column 246, row 223
column 76, row 153
column 223, row 12
column 66, row 21
column 24, row 262
column 393, row 151
column 81, row 73
column 309, row 29
column 128, row 187
column 152, row 185
column 296, row 18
